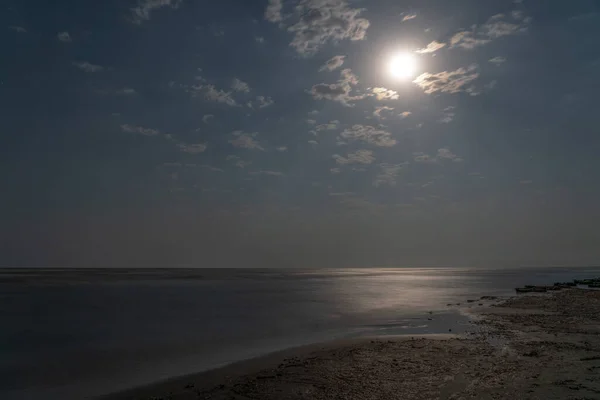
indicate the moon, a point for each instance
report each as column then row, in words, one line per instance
column 402, row 66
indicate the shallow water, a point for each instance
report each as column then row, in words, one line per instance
column 78, row 333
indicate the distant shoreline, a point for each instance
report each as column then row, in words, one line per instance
column 525, row 347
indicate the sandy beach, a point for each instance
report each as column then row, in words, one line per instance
column 527, row 347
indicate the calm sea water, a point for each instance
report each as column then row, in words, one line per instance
column 80, row 333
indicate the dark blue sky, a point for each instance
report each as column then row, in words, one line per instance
column 272, row 133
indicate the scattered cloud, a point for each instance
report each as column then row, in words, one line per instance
column 448, row 81
column 315, row 23
column 238, row 162
column 240, row 86
column 281, row 148
column 245, row 141
column 449, row 115
column 126, row 91
column 263, row 101
column 88, row 67
column 339, row 91
column 330, row 126
column 379, row 110
column 382, row 93
column 367, row 134
column 497, row 26
column 138, row 129
column 64, row 37
column 207, row 117
column 273, row 11
column 446, row 154
column 192, row 148
column 333, row 63
column 18, row 29
column 142, row 12
column 388, row 174
column 211, row 93
column 431, row 47
column 211, row 168
column 359, row 157
column 408, row 16
column 266, row 172
column 311, row 121
column 443, row 154
column 497, row 60
column 335, row 170
column 584, row 17
column 259, row 39
column 313, row 142
column 404, row 114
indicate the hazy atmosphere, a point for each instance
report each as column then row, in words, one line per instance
column 311, row 133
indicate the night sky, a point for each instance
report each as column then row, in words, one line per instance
column 310, row 133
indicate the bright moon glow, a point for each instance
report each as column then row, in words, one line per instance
column 403, row 66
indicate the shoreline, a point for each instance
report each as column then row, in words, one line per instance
column 526, row 346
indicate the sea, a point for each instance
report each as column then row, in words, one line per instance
column 80, row 333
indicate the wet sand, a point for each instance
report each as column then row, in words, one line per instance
column 527, row 347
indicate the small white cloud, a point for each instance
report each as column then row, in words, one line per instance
column 404, row 114
column 126, row 92
column 313, row 142
column 497, row 60
column 496, row 26
column 64, row 37
column 379, row 110
column 238, row 162
column 240, row 86
column 408, row 17
column 192, row 148
column 358, row 157
column 245, row 141
column 261, row 102
column 88, row 67
column 259, row 39
column 388, row 174
column 335, row 170
column 210, row 168
column 266, row 172
column 273, row 11
column 382, row 93
column 18, row 29
column 333, row 63
column 142, row 12
column 447, row 81
column 431, row 47
column 448, row 116
column 443, row 154
column 138, row 129
column 311, row 121
column 339, row 91
column 207, row 117
column 211, row 93
column 281, row 148
column 330, row 126
column 368, row 134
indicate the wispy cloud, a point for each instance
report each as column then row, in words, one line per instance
column 240, row 86
column 388, row 174
column 358, row 157
column 88, row 67
column 333, row 63
column 192, row 148
column 238, row 162
column 339, row 91
column 448, row 81
column 207, row 117
column 497, row 60
column 64, row 37
column 245, row 141
column 408, row 17
column 140, row 130
column 317, row 22
column 431, row 47
column 144, row 8
column 126, row 91
column 379, row 110
column 18, row 29
column 261, row 102
column 368, row 134
column 266, row 172
column 443, row 154
column 497, row 26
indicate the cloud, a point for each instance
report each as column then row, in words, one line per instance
column 88, row 67
column 447, row 81
column 339, row 91
column 240, row 86
column 388, row 174
column 409, row 16
column 142, row 12
column 138, row 129
column 448, row 115
column 359, row 157
column 263, row 101
column 330, row 126
column 404, row 114
column 266, row 172
column 313, row 142
column 443, row 154
column 273, row 11
column 367, row 134
column 238, row 162
column 211, row 93
column 497, row 26
column 245, row 141
column 259, row 39
column 207, row 117
column 311, row 121
column 379, row 110
column 126, row 91
column 497, row 60
column 281, row 148
column 341, row 194
column 431, row 47
column 333, row 63
column 211, row 168
column 382, row 93
column 192, row 148
column 64, row 37
column 335, row 170
column 315, row 23
column 18, row 29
